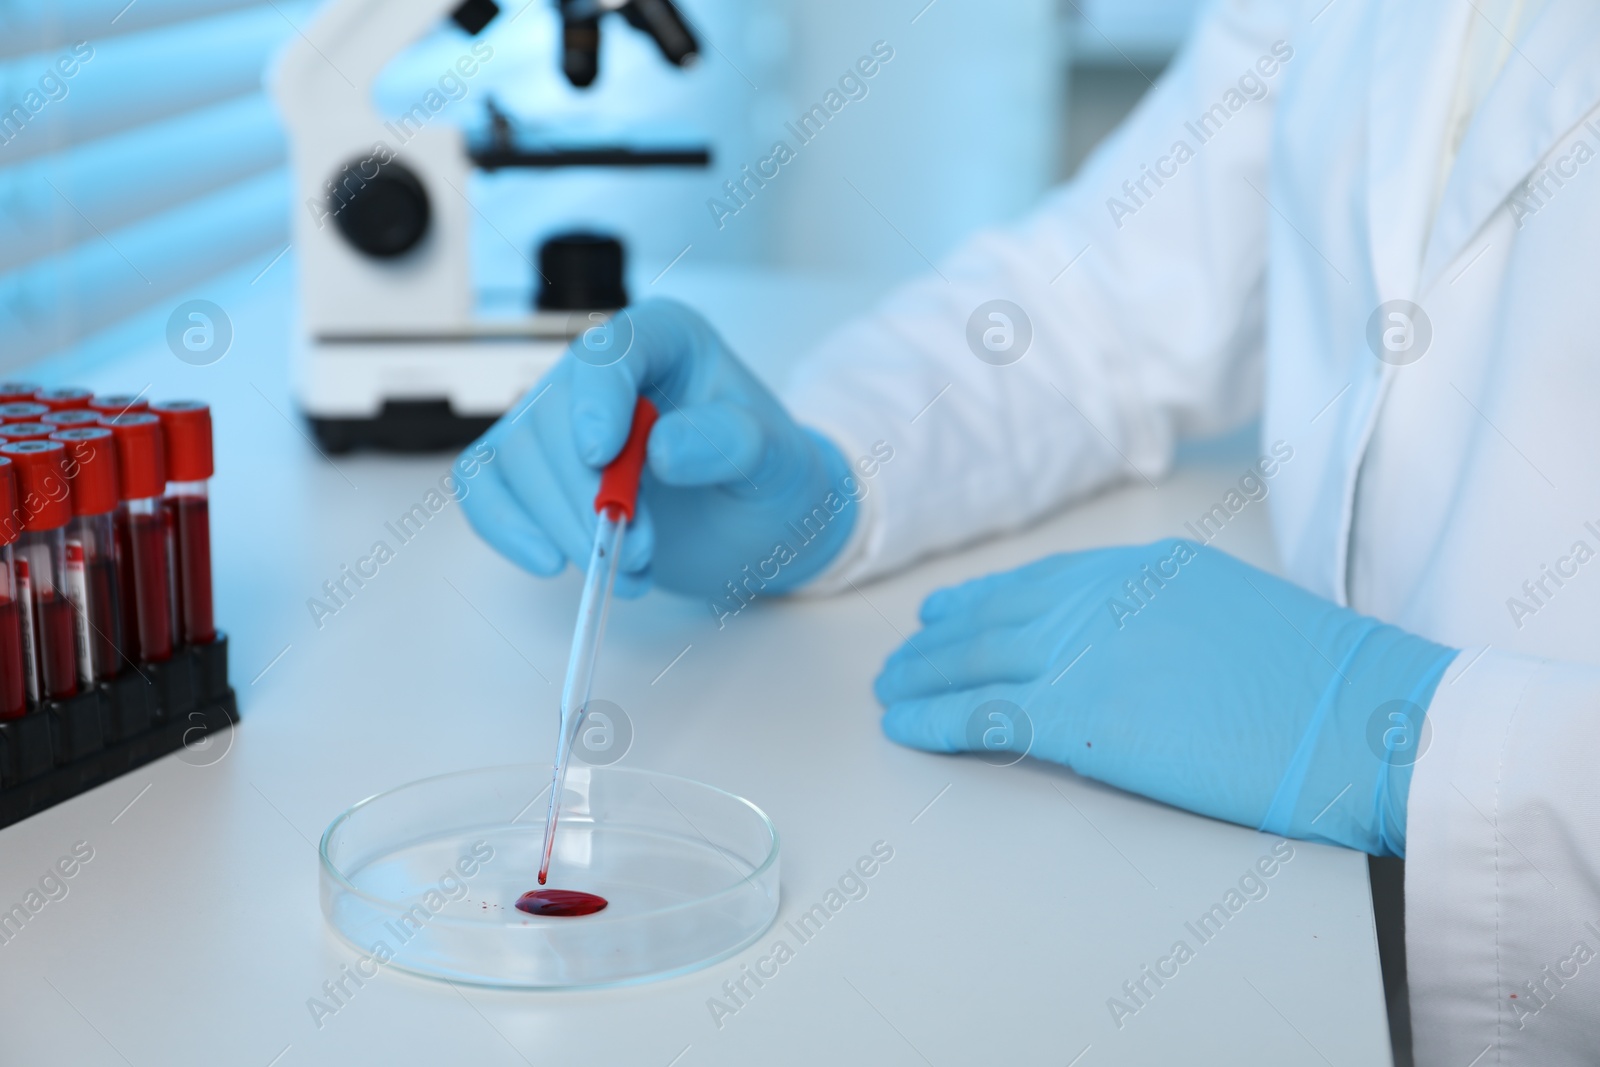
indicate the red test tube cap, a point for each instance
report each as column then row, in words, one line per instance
column 187, row 425
column 11, row 392
column 27, row 431
column 22, row 411
column 42, row 494
column 64, row 399
column 10, row 527
column 91, row 468
column 71, row 417
column 141, row 457
column 117, row 403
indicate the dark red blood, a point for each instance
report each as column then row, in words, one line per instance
column 562, row 903
column 105, row 616
column 13, row 674
column 191, row 521
column 145, row 540
column 58, row 661
column 125, row 582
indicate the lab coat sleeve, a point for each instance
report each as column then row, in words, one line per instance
column 1503, row 867
column 1142, row 281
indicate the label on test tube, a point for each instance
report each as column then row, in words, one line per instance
column 30, row 645
column 77, row 589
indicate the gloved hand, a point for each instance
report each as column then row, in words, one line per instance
column 730, row 476
column 1176, row 671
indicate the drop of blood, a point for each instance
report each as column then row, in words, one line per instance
column 561, row 903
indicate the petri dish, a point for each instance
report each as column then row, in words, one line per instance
column 425, row 878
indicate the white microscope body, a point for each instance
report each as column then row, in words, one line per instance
column 384, row 332
column 391, row 347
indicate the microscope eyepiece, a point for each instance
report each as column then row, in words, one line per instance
column 580, row 34
column 580, row 49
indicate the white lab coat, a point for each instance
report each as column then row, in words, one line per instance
column 1426, row 494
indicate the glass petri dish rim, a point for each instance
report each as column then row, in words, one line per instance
column 330, row 869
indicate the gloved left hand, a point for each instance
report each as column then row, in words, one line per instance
column 1176, row 671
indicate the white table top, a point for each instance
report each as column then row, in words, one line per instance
column 1018, row 900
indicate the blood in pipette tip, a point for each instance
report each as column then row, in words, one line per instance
column 544, row 860
column 560, row 903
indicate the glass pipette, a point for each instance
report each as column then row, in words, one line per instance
column 614, row 506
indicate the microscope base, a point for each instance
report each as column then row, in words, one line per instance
column 418, row 394
column 401, row 426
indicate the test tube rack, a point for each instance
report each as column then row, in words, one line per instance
column 65, row 747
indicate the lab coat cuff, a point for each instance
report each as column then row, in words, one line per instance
column 1454, row 853
column 864, row 531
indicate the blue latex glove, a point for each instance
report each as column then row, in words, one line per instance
column 730, row 475
column 1176, row 671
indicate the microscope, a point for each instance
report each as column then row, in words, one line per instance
column 392, row 349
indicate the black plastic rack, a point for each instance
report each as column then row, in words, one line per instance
column 65, row 747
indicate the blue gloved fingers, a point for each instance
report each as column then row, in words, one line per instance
column 932, row 664
column 662, row 343
column 550, row 483
column 603, row 399
column 639, row 543
column 950, row 722
column 1008, row 597
column 707, row 444
column 633, row 584
column 502, row 521
column 564, row 500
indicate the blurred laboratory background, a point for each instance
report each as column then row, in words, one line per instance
column 156, row 168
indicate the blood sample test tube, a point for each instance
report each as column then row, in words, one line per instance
column 118, row 404
column 47, row 630
column 187, row 427
column 64, row 399
column 61, row 420
column 27, row 431
column 142, row 542
column 22, row 411
column 13, row 669
column 11, row 392
column 92, row 582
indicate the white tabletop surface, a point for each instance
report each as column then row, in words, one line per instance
column 1018, row 900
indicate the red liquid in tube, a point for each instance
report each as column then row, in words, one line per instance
column 58, row 666
column 191, row 528
column 13, row 671
column 152, row 584
column 128, row 609
column 142, row 538
column 13, row 667
column 91, row 579
column 186, row 425
column 105, row 622
column 48, row 628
